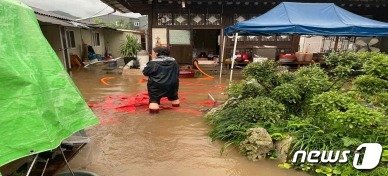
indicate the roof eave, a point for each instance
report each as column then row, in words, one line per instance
column 118, row 5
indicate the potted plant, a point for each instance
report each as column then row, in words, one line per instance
column 129, row 50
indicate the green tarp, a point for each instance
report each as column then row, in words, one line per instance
column 39, row 104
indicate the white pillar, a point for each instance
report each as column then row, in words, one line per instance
column 222, row 55
column 233, row 58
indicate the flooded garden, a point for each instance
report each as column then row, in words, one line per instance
column 130, row 141
column 267, row 116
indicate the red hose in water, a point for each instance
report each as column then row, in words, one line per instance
column 196, row 65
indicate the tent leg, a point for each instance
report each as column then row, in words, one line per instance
column 222, row 56
column 45, row 166
column 67, row 163
column 233, row 58
column 32, row 165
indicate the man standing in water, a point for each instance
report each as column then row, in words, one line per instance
column 163, row 78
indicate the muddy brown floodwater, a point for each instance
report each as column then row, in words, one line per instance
column 131, row 142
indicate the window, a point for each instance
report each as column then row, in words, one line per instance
column 179, row 37
column 136, row 23
column 213, row 19
column 205, row 19
column 70, row 39
column 164, row 19
column 197, row 19
column 239, row 18
column 96, row 39
column 181, row 19
column 242, row 17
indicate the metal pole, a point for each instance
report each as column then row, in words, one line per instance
column 32, row 165
column 45, row 166
column 233, row 58
column 67, row 163
column 222, row 55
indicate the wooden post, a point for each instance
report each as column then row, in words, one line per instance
column 336, row 43
column 150, row 26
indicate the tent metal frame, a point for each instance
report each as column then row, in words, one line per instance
column 233, row 57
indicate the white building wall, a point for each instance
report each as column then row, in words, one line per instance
column 84, row 36
column 114, row 39
column 310, row 44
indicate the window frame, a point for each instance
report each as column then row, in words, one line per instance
column 71, row 44
column 96, row 39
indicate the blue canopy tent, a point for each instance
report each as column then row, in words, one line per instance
column 325, row 19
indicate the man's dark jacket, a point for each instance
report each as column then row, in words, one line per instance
column 163, row 81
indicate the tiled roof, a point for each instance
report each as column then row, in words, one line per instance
column 53, row 18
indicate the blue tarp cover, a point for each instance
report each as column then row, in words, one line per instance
column 324, row 19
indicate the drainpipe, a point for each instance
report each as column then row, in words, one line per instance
column 114, row 10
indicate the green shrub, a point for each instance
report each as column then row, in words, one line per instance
column 229, row 126
column 349, row 122
column 370, row 85
column 311, row 81
column 311, row 136
column 264, row 73
column 341, row 114
column 286, row 93
column 331, row 101
column 334, row 109
column 377, row 66
column 231, row 123
column 246, row 89
column 381, row 100
column 261, row 109
column 345, row 64
column 379, row 171
column 289, row 95
column 235, row 89
column 285, row 77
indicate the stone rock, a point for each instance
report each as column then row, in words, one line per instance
column 282, row 149
column 257, row 144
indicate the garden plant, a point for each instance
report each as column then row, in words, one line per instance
column 337, row 105
column 129, row 50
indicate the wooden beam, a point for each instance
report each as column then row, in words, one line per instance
column 336, row 43
column 150, row 26
column 371, row 7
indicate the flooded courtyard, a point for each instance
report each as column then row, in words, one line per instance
column 130, row 141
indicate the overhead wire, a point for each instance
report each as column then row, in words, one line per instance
column 100, row 11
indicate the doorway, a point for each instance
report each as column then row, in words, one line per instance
column 64, row 39
column 202, row 44
column 206, row 43
column 181, row 45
